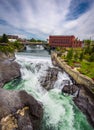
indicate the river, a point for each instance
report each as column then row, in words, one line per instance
column 60, row 113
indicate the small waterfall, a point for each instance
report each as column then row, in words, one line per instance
column 60, row 113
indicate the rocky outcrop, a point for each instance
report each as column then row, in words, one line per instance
column 19, row 111
column 71, row 89
column 9, row 70
column 83, row 98
column 6, row 56
column 48, row 81
column 85, row 102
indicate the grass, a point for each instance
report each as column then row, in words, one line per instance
column 87, row 68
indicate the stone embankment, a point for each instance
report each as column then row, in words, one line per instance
column 83, row 86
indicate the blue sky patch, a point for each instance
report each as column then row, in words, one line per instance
column 76, row 9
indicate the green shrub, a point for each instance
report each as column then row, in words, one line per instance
column 81, row 56
column 91, row 58
column 69, row 54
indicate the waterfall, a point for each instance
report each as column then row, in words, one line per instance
column 60, row 113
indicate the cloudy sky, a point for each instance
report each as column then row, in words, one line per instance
column 41, row 18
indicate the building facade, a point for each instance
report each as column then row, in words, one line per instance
column 12, row 38
column 64, row 41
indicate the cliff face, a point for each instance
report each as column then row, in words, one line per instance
column 9, row 69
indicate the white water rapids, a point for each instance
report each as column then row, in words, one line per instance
column 60, row 113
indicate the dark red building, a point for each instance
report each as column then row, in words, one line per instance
column 64, row 41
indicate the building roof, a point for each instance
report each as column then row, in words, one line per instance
column 12, row 36
column 62, row 36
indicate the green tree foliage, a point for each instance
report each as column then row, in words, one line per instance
column 39, row 40
column 76, row 56
column 87, row 42
column 4, row 39
column 70, row 54
column 33, row 40
column 91, row 58
column 16, row 44
column 92, row 50
column 58, row 49
column 81, row 56
column 36, row 40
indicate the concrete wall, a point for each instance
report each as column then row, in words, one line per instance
column 79, row 78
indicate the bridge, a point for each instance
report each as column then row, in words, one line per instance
column 44, row 44
column 34, row 43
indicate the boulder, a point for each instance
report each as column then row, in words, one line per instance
column 6, row 56
column 83, row 98
column 85, row 102
column 70, row 89
column 49, row 80
column 19, row 111
column 9, row 70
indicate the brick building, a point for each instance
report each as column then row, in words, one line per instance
column 64, row 41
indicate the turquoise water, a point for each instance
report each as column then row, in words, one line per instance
column 60, row 113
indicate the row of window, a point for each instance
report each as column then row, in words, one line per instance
column 58, row 42
column 64, row 42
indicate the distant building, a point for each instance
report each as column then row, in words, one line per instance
column 64, row 41
column 12, row 38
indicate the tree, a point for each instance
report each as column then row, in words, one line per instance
column 70, row 54
column 92, row 50
column 87, row 42
column 33, row 40
column 4, row 38
column 81, row 56
column 91, row 58
column 76, row 56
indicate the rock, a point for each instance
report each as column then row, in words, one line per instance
column 70, row 89
column 38, row 66
column 6, row 56
column 19, row 111
column 9, row 70
column 85, row 102
column 49, row 80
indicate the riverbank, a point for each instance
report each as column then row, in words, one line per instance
column 78, row 77
column 85, row 99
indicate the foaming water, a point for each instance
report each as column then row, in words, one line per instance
column 60, row 113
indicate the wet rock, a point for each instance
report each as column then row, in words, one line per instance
column 38, row 66
column 49, row 80
column 84, row 99
column 85, row 102
column 9, row 70
column 70, row 89
column 19, row 111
